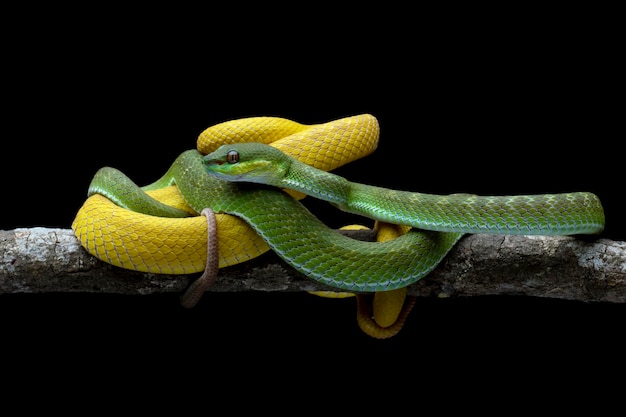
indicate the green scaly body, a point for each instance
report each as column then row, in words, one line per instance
column 543, row 214
column 290, row 229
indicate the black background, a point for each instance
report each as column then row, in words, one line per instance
column 476, row 107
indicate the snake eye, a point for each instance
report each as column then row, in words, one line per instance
column 232, row 157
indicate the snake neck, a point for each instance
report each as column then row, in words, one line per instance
column 317, row 183
column 549, row 214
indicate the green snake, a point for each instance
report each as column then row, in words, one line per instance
column 327, row 256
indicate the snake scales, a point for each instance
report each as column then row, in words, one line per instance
column 121, row 224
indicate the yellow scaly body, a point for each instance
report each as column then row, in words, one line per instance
column 178, row 245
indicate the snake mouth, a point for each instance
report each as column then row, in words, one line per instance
column 214, row 162
column 211, row 169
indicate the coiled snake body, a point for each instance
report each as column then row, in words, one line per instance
column 267, row 217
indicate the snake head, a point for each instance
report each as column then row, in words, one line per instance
column 248, row 162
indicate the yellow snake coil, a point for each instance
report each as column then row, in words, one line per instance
column 178, row 245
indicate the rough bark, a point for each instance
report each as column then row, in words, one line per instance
column 36, row 260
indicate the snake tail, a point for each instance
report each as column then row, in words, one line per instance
column 198, row 287
column 365, row 312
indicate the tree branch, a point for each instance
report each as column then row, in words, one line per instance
column 37, row 260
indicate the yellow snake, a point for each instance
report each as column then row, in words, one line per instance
column 164, row 245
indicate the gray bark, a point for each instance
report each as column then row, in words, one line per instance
column 37, row 260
